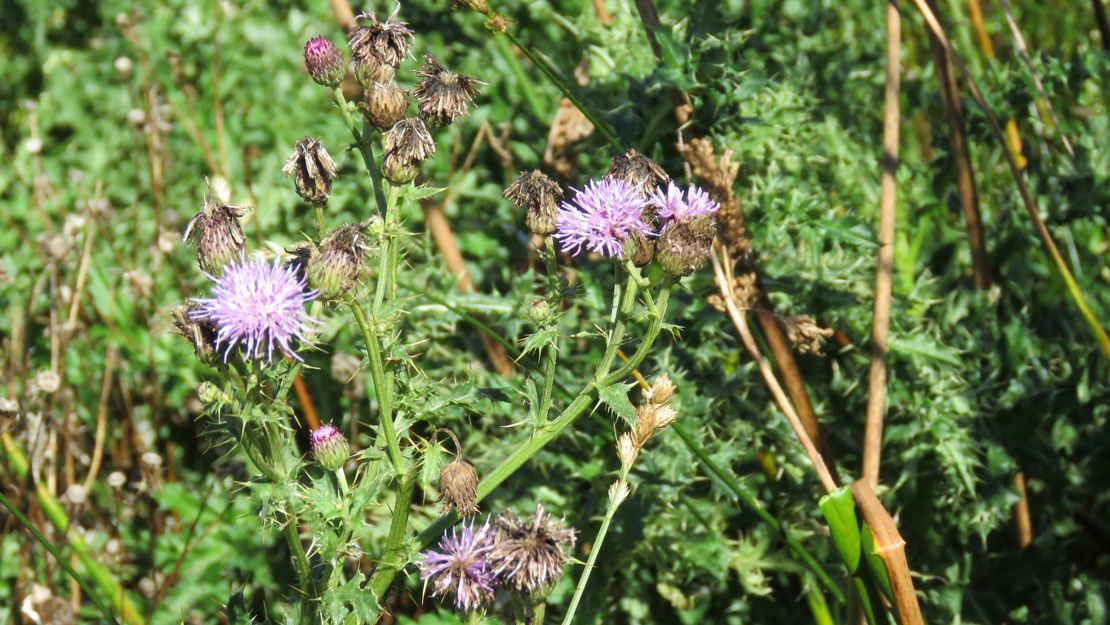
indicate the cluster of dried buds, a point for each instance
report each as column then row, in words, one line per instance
column 652, row 416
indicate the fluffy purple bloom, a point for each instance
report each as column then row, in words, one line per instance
column 674, row 204
column 601, row 218
column 462, row 567
column 257, row 305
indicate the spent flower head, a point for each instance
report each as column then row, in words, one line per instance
column 443, row 95
column 601, row 218
column 458, row 487
column 539, row 195
column 637, row 170
column 378, row 47
column 337, row 266
column 312, row 168
column 673, row 203
column 530, row 555
column 258, row 306
column 461, row 567
column 217, row 233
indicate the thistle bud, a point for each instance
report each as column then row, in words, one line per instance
column 329, row 447
column 443, row 95
column 217, row 233
column 458, row 487
column 639, row 171
column 397, row 170
column 337, row 266
column 210, row 395
column 409, row 141
column 312, row 169
column 684, row 245
column 378, row 47
column 540, row 311
column 384, row 103
column 324, row 61
column 539, row 196
column 200, row 333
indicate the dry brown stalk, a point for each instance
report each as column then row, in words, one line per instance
column 101, row 417
column 891, row 548
column 1023, row 523
column 305, row 399
column 724, row 283
column 965, row 178
column 976, row 11
column 880, row 320
column 602, row 13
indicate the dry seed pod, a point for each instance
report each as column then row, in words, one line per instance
column 458, row 488
column 443, row 95
column 385, row 103
column 313, row 170
column 217, row 233
column 539, row 195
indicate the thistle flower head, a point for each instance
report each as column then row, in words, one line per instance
column 200, row 333
column 443, row 95
column 324, row 61
column 337, row 266
column 676, row 204
column 601, row 218
column 378, row 47
column 258, row 306
column 312, row 169
column 385, row 103
column 330, row 447
column 462, row 567
column 539, row 195
column 639, row 171
column 530, row 555
column 683, row 246
column 406, row 144
column 458, row 487
column 217, row 233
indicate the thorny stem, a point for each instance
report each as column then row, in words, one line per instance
column 551, row 354
column 595, row 549
column 393, row 556
column 365, row 147
column 291, row 531
column 381, row 387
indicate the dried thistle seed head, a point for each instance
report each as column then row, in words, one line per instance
column 200, row 333
column 639, row 171
column 409, row 141
column 370, row 71
column 150, row 466
column 684, row 245
column 46, row 382
column 384, row 103
column 539, row 196
column 117, row 480
column 378, row 47
column 640, row 249
column 312, row 169
column 338, row 265
column 628, row 449
column 330, row 447
column 530, row 555
column 443, row 95
column 805, row 334
column 324, row 61
column 618, row 492
column 458, row 488
column 660, row 391
column 217, row 233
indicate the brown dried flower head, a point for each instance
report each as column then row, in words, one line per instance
column 639, row 171
column 378, row 47
column 458, row 487
column 660, row 391
column 385, row 103
column 217, row 233
column 200, row 333
column 539, row 196
column 684, row 245
column 805, row 334
column 150, row 467
column 530, row 555
column 408, row 142
column 568, row 128
column 312, row 169
column 338, row 265
column 718, row 173
column 443, row 95
column 640, row 248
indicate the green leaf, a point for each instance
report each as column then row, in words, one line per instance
column 434, row 459
column 875, row 563
column 615, row 396
column 840, row 511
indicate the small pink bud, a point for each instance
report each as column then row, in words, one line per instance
column 324, row 61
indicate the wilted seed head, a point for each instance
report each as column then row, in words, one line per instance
column 530, row 555
column 640, row 249
column 312, row 169
column 324, row 61
column 458, row 488
column 409, row 141
column 150, row 466
column 660, row 391
column 378, row 47
column 200, row 333
column 338, row 265
column 539, row 196
column 443, row 95
column 217, row 233
column 651, row 418
column 397, row 170
column 329, row 447
column 384, row 103
column 639, row 171
column 628, row 449
column 684, row 245
column 462, row 566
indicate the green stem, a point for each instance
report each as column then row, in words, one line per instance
column 595, row 549
column 539, row 111
column 751, row 502
column 320, row 229
column 393, row 556
column 616, row 329
column 365, row 147
column 553, row 75
column 660, row 308
column 291, row 531
column 381, row 387
column 551, row 354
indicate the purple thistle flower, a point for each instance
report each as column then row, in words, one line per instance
column 461, row 567
column 672, row 205
column 601, row 218
column 257, row 304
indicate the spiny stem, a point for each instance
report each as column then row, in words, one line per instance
column 381, row 387
column 594, row 550
column 366, row 148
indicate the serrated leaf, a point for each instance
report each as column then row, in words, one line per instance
column 434, row 459
column 615, row 396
